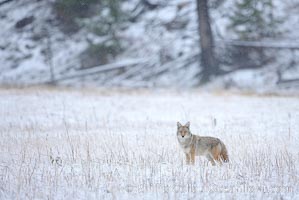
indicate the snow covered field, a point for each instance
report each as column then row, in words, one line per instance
column 99, row 144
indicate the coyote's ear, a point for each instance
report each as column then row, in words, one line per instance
column 179, row 124
column 187, row 125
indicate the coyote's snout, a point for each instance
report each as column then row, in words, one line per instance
column 194, row 145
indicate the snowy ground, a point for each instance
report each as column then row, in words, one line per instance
column 98, row 144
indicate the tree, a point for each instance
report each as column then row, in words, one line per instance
column 254, row 20
column 208, row 61
column 107, row 23
column 68, row 11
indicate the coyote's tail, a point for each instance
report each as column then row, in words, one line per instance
column 223, row 153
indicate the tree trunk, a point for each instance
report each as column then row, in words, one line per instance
column 208, row 62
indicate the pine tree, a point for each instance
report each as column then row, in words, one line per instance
column 254, row 20
column 108, row 22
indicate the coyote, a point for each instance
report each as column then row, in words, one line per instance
column 194, row 145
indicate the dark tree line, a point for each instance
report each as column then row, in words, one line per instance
column 250, row 20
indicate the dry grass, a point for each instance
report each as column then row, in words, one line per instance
column 63, row 156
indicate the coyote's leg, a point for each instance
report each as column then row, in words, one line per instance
column 210, row 158
column 187, row 159
column 219, row 160
column 192, row 156
column 216, row 155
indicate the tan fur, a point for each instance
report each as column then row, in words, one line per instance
column 193, row 145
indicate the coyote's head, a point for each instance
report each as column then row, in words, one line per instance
column 183, row 131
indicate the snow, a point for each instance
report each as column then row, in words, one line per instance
column 103, row 144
